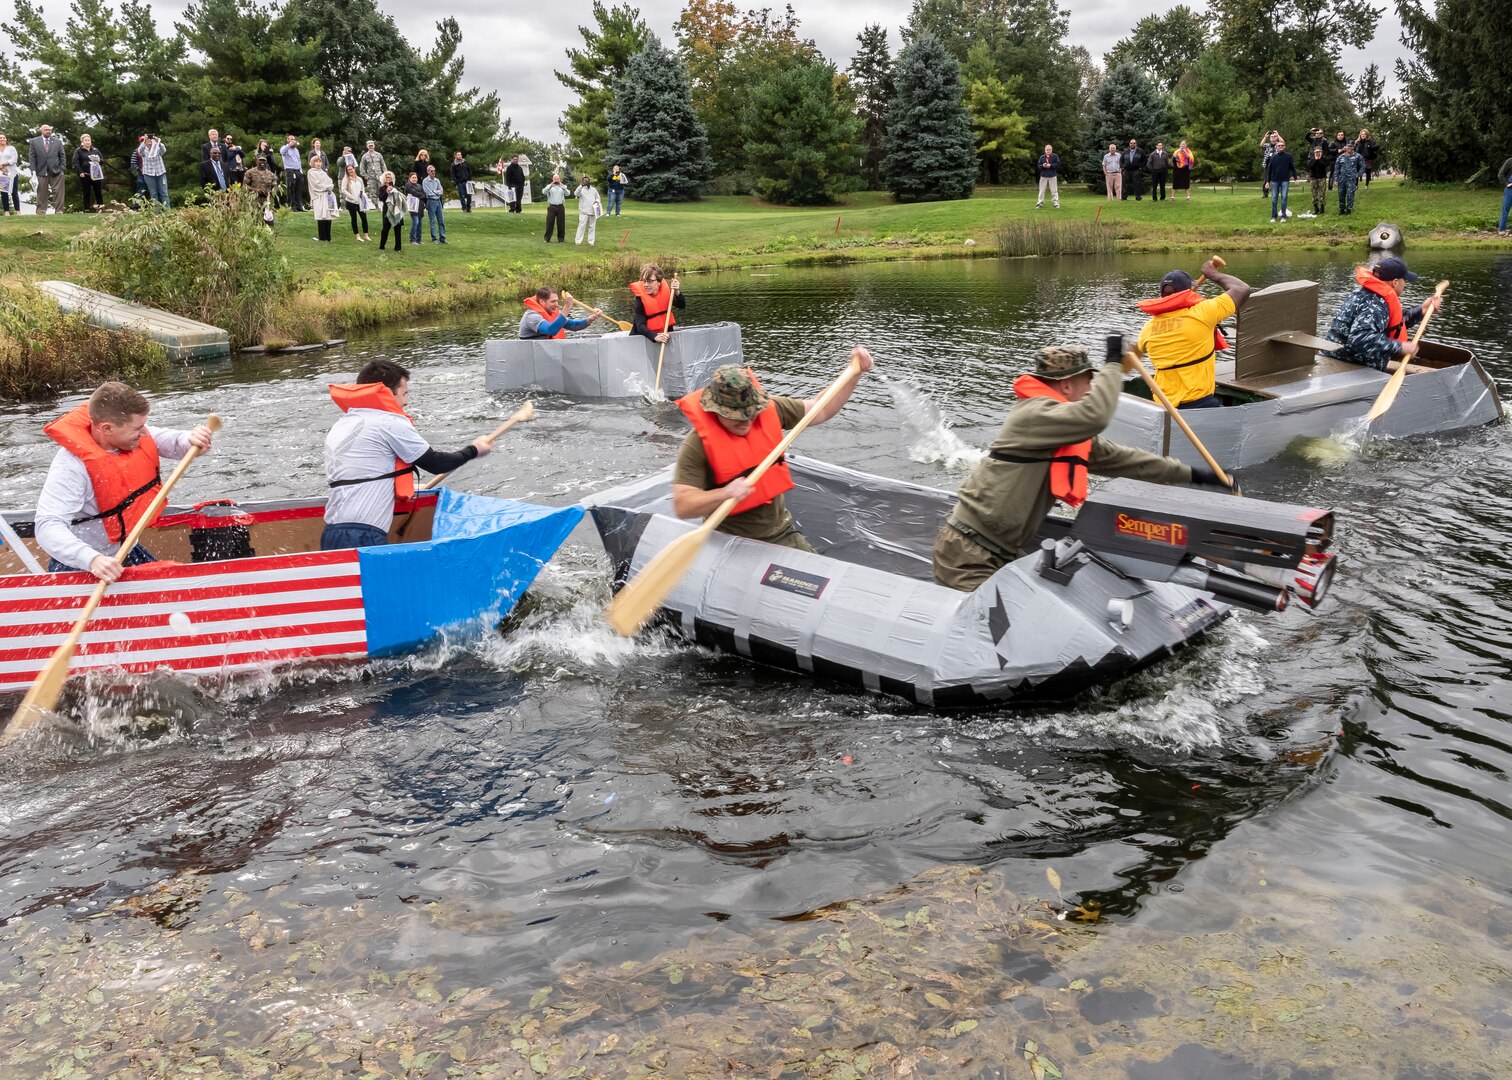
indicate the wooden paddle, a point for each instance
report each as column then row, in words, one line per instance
column 667, row 329
column 644, row 593
column 621, row 323
column 1216, row 260
column 43, row 695
column 1131, row 363
column 523, row 413
column 1389, row 391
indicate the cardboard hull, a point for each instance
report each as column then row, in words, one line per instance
column 867, row 612
column 613, row 365
column 288, row 605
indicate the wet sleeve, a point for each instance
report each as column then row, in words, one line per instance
column 692, row 468
column 62, row 499
column 1112, row 459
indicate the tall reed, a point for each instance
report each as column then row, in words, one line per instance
column 1044, row 237
column 44, row 353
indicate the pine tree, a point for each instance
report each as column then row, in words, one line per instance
column 654, row 134
column 1217, row 119
column 1127, row 106
column 619, row 34
column 801, row 137
column 1455, row 117
column 1001, row 130
column 871, row 77
column 931, row 151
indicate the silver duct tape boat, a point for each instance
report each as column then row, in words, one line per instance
column 613, row 365
column 1128, row 582
column 1278, row 388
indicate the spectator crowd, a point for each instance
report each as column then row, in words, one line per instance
column 305, row 180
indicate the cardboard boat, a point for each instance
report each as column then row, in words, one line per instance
column 616, row 365
column 1129, row 581
column 1278, row 388
column 279, row 599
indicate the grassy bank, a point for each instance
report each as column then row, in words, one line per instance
column 492, row 256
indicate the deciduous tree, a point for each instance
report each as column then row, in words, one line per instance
column 931, row 151
column 1163, row 46
column 1001, row 129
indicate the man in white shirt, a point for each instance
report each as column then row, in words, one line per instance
column 108, row 454
column 371, row 455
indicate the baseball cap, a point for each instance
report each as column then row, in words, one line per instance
column 734, row 394
column 1393, row 268
column 1174, row 282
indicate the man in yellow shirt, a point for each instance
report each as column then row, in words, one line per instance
column 1182, row 338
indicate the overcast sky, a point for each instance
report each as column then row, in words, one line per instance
column 514, row 52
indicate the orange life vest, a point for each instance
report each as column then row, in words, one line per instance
column 123, row 481
column 540, row 309
column 659, row 315
column 1180, row 301
column 375, row 396
column 1068, row 465
column 1396, row 325
column 736, row 455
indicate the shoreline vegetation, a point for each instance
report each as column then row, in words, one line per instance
column 492, row 258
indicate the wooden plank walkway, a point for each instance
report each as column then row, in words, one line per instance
column 181, row 338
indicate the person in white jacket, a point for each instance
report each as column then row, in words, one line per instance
column 590, row 209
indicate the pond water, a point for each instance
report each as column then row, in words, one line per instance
column 551, row 852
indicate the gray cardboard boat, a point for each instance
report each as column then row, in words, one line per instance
column 1278, row 388
column 615, row 365
column 1129, row 581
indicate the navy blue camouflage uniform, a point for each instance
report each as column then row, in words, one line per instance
column 1360, row 328
column 1347, row 170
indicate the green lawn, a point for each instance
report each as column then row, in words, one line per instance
column 492, row 255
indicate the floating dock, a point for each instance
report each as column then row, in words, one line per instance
column 182, row 339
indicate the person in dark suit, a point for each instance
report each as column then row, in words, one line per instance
column 1133, row 170
column 48, row 164
column 213, row 173
column 214, row 142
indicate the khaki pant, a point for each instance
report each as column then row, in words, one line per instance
column 1115, row 184
column 52, row 187
column 1054, row 185
column 962, row 564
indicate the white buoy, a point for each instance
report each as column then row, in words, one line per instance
column 179, row 623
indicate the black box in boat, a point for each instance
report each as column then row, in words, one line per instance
column 1140, row 572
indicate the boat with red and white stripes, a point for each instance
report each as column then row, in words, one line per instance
column 245, row 587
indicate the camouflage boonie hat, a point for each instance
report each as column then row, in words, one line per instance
column 733, row 394
column 1061, row 362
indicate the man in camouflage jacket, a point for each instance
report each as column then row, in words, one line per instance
column 1347, row 170
column 1362, row 325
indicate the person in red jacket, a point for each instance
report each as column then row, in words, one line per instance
column 102, row 479
column 736, row 424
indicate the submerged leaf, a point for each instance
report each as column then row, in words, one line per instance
column 1054, row 878
column 936, row 1000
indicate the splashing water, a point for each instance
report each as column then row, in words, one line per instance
column 932, row 441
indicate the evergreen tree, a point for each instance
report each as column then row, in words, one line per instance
column 618, row 34
column 1217, row 119
column 250, row 75
column 1127, row 106
column 871, row 78
column 801, row 137
column 467, row 119
column 653, row 132
column 1163, row 46
column 1001, row 130
column 931, row 151
column 1455, row 116
column 1026, row 38
column 1369, row 96
column 111, row 76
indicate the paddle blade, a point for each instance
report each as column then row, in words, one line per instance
column 623, row 325
column 43, row 696
column 1388, row 395
column 644, row 593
